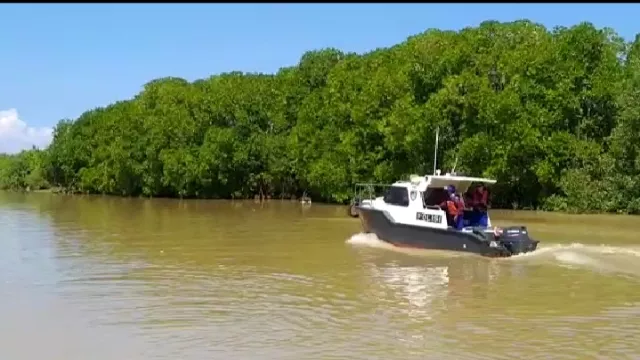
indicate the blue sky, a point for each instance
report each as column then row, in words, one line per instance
column 59, row 60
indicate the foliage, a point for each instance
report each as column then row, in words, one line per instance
column 26, row 170
column 553, row 115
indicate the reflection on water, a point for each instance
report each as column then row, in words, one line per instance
column 166, row 279
column 422, row 289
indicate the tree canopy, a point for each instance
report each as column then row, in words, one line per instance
column 552, row 114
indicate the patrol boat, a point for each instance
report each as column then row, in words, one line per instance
column 409, row 215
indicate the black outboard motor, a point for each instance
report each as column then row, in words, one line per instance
column 516, row 239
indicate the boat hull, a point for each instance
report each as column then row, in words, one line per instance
column 380, row 223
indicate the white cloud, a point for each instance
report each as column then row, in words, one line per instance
column 16, row 135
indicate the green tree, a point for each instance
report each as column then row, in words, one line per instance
column 552, row 114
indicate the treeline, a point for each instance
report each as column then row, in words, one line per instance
column 554, row 115
column 25, row 171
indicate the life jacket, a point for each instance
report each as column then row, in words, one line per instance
column 450, row 207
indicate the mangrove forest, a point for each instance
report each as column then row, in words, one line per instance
column 552, row 114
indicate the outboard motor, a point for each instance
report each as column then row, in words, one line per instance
column 516, row 239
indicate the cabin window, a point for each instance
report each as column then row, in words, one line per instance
column 434, row 197
column 398, row 196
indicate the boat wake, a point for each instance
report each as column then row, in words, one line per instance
column 601, row 258
column 368, row 240
column 598, row 258
column 555, row 249
column 372, row 241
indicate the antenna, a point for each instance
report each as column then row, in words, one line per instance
column 435, row 153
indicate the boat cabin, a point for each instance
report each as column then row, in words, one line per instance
column 417, row 201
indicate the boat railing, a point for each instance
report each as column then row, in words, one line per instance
column 369, row 191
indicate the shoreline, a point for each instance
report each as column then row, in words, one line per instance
column 60, row 191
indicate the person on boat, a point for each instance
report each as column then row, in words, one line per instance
column 460, row 206
column 454, row 208
column 479, row 204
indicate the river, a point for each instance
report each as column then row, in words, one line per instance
column 90, row 277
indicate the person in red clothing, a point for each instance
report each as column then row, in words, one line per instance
column 480, row 197
column 479, row 204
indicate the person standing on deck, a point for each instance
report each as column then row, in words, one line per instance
column 479, row 204
column 460, row 206
column 454, row 207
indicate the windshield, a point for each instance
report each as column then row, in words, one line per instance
column 435, row 196
column 396, row 195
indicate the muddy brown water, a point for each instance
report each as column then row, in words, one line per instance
column 110, row 278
